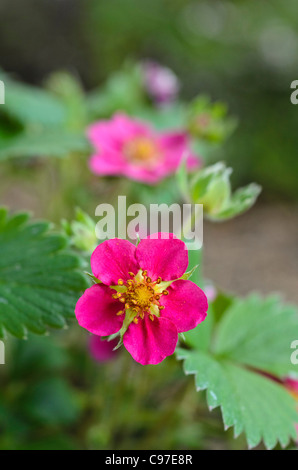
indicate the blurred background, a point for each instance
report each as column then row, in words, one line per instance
column 245, row 55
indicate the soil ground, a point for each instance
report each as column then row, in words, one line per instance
column 257, row 251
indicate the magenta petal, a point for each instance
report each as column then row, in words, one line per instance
column 150, row 342
column 96, row 311
column 165, row 258
column 106, row 163
column 102, row 350
column 292, row 385
column 177, row 141
column 128, row 128
column 186, row 305
column 113, row 260
column 176, row 146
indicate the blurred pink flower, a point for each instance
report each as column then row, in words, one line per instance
column 161, row 83
column 125, row 146
column 210, row 292
column 142, row 294
column 292, row 387
column 102, row 350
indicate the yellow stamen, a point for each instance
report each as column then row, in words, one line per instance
column 140, row 295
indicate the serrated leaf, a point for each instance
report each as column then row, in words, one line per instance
column 249, row 402
column 39, row 282
column 259, row 332
column 252, row 343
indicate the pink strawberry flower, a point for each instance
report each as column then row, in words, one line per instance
column 127, row 147
column 142, row 295
column 292, row 386
column 160, row 82
column 102, row 350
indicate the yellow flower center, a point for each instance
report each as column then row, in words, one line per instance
column 141, row 150
column 140, row 295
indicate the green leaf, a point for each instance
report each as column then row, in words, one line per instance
column 242, row 200
column 206, row 182
column 209, row 121
column 200, row 337
column 211, row 187
column 43, row 143
column 123, row 91
column 81, row 232
column 51, row 401
column 39, row 282
column 182, row 180
column 195, row 260
column 253, row 404
column 31, row 105
column 234, row 360
column 163, row 119
column 69, row 90
column 259, row 333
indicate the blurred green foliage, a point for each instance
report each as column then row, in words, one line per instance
column 54, row 396
column 234, row 51
column 244, row 54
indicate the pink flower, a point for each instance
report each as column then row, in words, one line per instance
column 142, row 296
column 102, row 350
column 124, row 146
column 292, row 387
column 161, row 83
column 210, row 292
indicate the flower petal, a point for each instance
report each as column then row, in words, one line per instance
column 113, row 260
column 107, row 163
column 162, row 255
column 150, row 342
column 176, row 146
column 128, row 128
column 96, row 311
column 186, row 305
column 102, row 350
